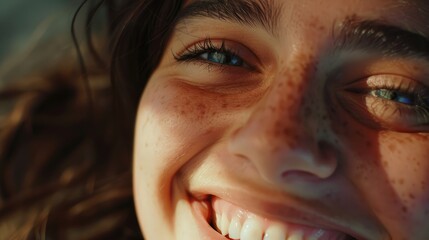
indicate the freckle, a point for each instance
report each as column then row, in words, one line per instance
column 392, row 147
column 401, row 181
column 182, row 112
column 412, row 196
column 404, row 209
column 385, row 163
column 224, row 105
column 280, row 84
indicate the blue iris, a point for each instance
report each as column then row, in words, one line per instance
column 394, row 96
column 224, row 58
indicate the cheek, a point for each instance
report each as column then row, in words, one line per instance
column 170, row 121
column 176, row 122
column 405, row 159
column 392, row 172
column 403, row 200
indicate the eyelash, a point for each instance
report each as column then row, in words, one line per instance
column 194, row 53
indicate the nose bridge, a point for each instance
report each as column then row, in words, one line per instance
column 283, row 114
column 280, row 136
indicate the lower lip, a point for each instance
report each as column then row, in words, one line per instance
column 202, row 215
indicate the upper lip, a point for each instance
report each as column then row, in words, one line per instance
column 288, row 213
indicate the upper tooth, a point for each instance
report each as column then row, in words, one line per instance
column 275, row 232
column 224, row 225
column 252, row 230
column 235, row 228
column 297, row 235
column 218, row 221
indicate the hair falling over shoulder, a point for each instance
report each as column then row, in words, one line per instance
column 66, row 132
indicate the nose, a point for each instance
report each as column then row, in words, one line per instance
column 283, row 136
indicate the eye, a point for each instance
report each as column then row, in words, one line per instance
column 225, row 58
column 394, row 95
column 216, row 52
column 388, row 102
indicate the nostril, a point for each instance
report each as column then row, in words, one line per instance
column 308, row 176
column 306, row 165
column 296, row 174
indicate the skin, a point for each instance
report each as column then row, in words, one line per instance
column 283, row 135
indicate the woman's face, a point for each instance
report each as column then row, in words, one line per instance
column 290, row 120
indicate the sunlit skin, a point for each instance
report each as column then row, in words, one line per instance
column 284, row 130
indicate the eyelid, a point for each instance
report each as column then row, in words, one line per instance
column 387, row 81
column 355, row 70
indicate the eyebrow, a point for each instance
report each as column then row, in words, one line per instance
column 376, row 37
column 247, row 12
column 353, row 34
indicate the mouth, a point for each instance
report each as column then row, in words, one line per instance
column 234, row 222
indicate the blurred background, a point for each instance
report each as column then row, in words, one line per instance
column 33, row 34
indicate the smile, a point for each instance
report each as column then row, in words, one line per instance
column 233, row 222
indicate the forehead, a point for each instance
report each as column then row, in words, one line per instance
column 286, row 17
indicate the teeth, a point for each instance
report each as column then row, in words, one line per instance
column 236, row 223
column 218, row 221
column 297, row 235
column 224, row 225
column 235, row 228
column 275, row 232
column 252, row 230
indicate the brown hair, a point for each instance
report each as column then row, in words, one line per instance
column 65, row 158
